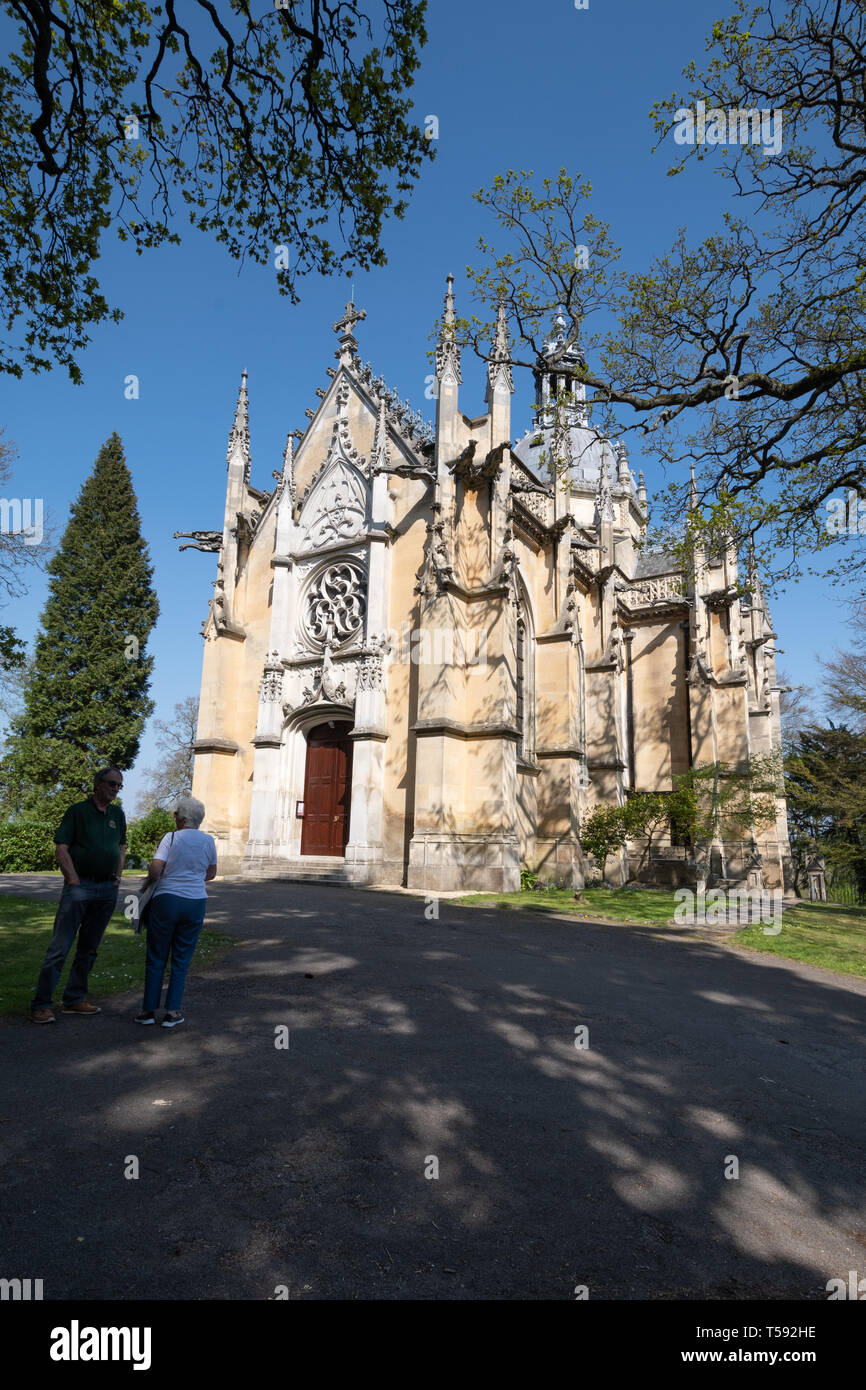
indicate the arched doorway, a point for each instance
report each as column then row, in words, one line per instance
column 327, row 790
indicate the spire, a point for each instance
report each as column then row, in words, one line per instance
column 567, row 358
column 556, row 366
column 381, row 454
column 447, row 349
column 239, row 434
column 604, row 495
column 499, row 363
column 693, row 490
column 641, row 488
column 623, row 474
column 287, row 482
column 348, row 348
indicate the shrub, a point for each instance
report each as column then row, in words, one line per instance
column 528, row 879
column 143, row 836
column 27, row 846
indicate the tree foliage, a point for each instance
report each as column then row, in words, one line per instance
column 705, row 803
column 744, row 353
column 86, row 700
column 143, row 836
column 826, row 794
column 27, row 847
column 285, row 128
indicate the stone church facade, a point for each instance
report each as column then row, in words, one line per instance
column 431, row 651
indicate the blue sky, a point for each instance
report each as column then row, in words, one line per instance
column 513, row 85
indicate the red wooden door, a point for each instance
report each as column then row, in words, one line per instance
column 327, row 790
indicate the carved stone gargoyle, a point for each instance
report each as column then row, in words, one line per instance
column 200, row 540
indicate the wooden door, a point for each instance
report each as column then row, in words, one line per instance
column 327, row 791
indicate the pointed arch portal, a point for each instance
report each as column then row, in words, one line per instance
column 327, row 790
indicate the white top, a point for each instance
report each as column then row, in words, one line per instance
column 186, row 859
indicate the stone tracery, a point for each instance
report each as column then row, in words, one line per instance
column 336, row 604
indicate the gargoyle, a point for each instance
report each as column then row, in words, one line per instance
column 200, row 540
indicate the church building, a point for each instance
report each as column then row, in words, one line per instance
column 432, row 651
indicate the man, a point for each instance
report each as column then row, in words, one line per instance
column 90, row 847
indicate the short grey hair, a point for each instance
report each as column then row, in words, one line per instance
column 103, row 772
column 190, row 811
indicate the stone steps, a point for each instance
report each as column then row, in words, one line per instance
column 313, row 868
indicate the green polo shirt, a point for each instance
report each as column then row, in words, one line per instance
column 94, row 838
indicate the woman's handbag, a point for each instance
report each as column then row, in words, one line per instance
column 145, row 897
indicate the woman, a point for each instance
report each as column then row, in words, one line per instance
column 184, row 862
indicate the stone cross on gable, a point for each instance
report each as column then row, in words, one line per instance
column 348, row 343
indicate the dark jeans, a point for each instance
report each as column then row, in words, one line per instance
column 84, row 910
column 173, row 928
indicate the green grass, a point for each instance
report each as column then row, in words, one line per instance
column 823, row 934
column 641, row 905
column 818, row 934
column 25, row 931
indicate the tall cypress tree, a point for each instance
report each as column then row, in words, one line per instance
column 86, row 702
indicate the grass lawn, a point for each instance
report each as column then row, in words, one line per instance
column 25, row 931
column 644, row 905
column 817, row 933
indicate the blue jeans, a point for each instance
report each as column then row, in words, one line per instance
column 84, row 910
column 173, row 928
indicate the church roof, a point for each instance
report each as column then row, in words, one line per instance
column 653, row 562
column 583, row 446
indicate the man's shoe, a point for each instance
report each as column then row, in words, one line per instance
column 172, row 1019
column 42, row 1016
column 145, row 1016
column 82, row 1007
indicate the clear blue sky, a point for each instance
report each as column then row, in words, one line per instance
column 513, row 85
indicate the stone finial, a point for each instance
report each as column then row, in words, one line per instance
column 287, row 479
column 447, row 349
column 343, row 327
column 239, row 434
column 693, row 489
column 381, row 454
column 604, row 510
column 622, row 469
column 641, row 488
column 499, row 363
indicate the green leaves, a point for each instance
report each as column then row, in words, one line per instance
column 86, row 700
column 295, row 129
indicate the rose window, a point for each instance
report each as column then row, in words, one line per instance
column 336, row 604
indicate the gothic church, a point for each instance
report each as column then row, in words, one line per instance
column 431, row 651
